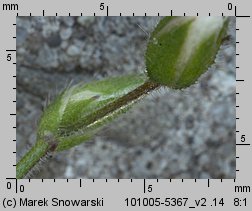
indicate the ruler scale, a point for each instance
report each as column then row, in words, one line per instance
column 139, row 194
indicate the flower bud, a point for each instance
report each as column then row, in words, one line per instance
column 180, row 49
column 76, row 114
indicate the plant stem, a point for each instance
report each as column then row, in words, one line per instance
column 31, row 158
column 42, row 147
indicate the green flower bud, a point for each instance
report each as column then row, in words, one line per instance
column 77, row 113
column 182, row 48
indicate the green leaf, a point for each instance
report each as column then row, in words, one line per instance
column 181, row 49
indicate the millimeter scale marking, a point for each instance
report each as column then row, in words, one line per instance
column 43, row 13
column 82, row 183
column 145, row 14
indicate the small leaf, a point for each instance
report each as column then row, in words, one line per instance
column 181, row 49
column 78, row 111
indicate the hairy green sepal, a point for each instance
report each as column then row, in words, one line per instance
column 79, row 110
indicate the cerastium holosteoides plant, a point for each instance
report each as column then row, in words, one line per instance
column 179, row 51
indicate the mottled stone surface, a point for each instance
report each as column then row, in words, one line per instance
column 170, row 134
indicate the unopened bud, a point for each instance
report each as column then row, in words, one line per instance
column 181, row 49
column 76, row 114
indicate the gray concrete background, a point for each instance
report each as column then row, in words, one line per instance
column 170, row 134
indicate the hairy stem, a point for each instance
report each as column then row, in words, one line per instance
column 42, row 147
column 31, row 158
